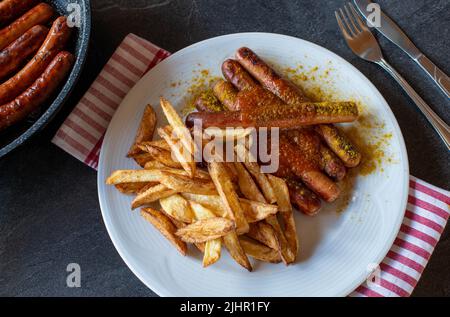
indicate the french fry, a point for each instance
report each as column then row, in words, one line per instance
column 231, row 242
column 142, row 158
column 259, row 251
column 179, row 224
column 151, row 195
column 247, row 185
column 212, row 247
column 153, row 164
column 185, row 184
column 146, row 187
column 180, row 130
column 286, row 253
column 254, row 211
column 205, row 229
column 145, row 130
column 177, row 208
column 177, row 150
column 134, row 176
column 284, row 205
column 232, row 172
column 165, row 226
column 130, row 188
column 229, row 197
column 159, row 154
column 252, row 166
column 264, row 233
column 161, row 167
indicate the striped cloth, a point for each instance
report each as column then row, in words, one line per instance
column 81, row 135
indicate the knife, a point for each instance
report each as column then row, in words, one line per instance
column 392, row 31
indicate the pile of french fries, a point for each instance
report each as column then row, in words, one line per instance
column 229, row 203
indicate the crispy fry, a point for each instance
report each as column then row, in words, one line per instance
column 130, row 188
column 236, row 251
column 186, row 184
column 290, row 232
column 229, row 197
column 178, row 208
column 286, row 253
column 153, row 164
column 159, row 154
column 254, row 211
column 145, row 130
column 205, row 229
column 162, row 144
column 264, row 233
column 259, row 251
column 212, row 247
column 151, row 195
column 177, row 151
column 232, row 172
column 142, row 158
column 180, row 131
column 247, row 185
column 179, row 224
column 165, row 226
column 134, row 176
column 281, row 192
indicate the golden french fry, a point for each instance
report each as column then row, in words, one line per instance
column 161, row 167
column 259, row 251
column 229, row 196
column 177, row 151
column 287, row 255
column 179, row 224
column 180, row 130
column 264, row 233
column 177, row 208
column 247, row 185
column 231, row 242
column 212, row 252
column 142, row 158
column 281, row 191
column 151, row 195
column 159, row 154
column 145, row 130
column 205, row 229
column 232, row 172
column 165, row 226
column 254, row 211
column 153, row 164
column 146, row 187
column 201, row 212
column 130, row 188
column 252, row 166
column 290, row 232
column 185, row 184
column 134, row 176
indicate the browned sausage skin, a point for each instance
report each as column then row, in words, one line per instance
column 11, row 9
column 13, row 56
column 40, row 14
column 38, row 92
column 53, row 44
column 226, row 93
column 237, row 75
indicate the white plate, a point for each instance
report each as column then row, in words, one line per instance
column 336, row 249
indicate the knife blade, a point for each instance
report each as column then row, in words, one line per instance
column 393, row 32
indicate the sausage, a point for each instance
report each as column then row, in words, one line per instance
column 11, row 9
column 40, row 14
column 53, row 44
column 331, row 164
column 226, row 94
column 13, row 56
column 306, row 170
column 340, row 145
column 38, row 92
column 268, row 78
column 208, row 102
column 305, row 200
column 237, row 75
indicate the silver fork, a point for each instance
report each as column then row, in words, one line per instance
column 363, row 43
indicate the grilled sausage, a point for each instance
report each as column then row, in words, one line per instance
column 53, row 44
column 40, row 14
column 11, row 9
column 208, row 102
column 226, row 93
column 305, row 200
column 13, row 56
column 38, row 92
column 237, row 75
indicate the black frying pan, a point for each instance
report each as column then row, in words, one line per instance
column 19, row 133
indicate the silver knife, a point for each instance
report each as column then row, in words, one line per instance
column 391, row 31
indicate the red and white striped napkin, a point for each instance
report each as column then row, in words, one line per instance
column 81, row 135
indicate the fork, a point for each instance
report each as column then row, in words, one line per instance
column 363, row 43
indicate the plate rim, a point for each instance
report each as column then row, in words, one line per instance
column 162, row 291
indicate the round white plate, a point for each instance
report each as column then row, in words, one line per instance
column 336, row 249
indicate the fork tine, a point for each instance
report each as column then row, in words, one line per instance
column 352, row 20
column 358, row 18
column 344, row 18
column 341, row 26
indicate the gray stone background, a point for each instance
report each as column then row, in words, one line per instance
column 49, row 211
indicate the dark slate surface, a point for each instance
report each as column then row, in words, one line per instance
column 49, row 211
